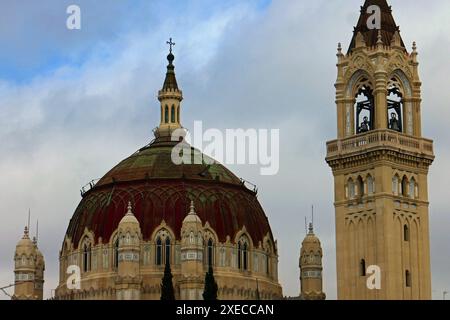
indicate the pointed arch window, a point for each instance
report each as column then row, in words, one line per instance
column 167, row 251
column 166, row 114
column 210, row 253
column 360, row 183
column 351, row 189
column 395, row 106
column 370, row 185
column 178, row 114
column 163, row 248
column 412, row 188
column 172, row 114
column 116, row 253
column 395, row 181
column 405, row 186
column 268, row 249
column 158, row 251
column 365, row 111
column 86, row 257
column 222, row 257
column 239, row 257
column 243, row 254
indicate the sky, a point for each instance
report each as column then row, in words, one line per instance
column 74, row 103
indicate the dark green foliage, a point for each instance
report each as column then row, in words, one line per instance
column 167, row 292
column 210, row 292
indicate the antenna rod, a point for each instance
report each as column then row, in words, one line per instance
column 306, row 226
column 37, row 230
column 312, row 215
column 29, row 214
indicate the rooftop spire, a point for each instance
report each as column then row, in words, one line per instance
column 311, row 228
column 25, row 233
column 373, row 36
column 37, row 230
column 35, row 238
column 192, row 215
column 130, row 209
column 29, row 217
column 192, row 208
column 170, row 82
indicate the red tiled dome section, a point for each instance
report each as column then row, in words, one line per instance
column 160, row 190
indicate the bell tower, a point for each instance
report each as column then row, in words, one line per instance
column 380, row 164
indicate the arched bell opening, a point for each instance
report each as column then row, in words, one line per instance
column 365, row 110
column 395, row 106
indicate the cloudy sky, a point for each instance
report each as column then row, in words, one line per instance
column 74, row 103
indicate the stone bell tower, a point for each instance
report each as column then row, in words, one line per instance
column 380, row 164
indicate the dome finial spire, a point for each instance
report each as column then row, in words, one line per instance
column 25, row 233
column 192, row 211
column 170, row 83
column 170, row 56
column 311, row 224
column 130, row 209
column 192, row 215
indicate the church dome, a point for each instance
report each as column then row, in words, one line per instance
column 190, row 215
column 160, row 190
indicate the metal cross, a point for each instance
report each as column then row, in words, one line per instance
column 171, row 44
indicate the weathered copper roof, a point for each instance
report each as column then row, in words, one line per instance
column 160, row 190
column 388, row 25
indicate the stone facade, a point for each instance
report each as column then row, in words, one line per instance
column 240, row 266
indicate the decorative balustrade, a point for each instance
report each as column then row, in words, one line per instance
column 379, row 138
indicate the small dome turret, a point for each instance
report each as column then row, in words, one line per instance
column 192, row 215
column 25, row 245
column 129, row 219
